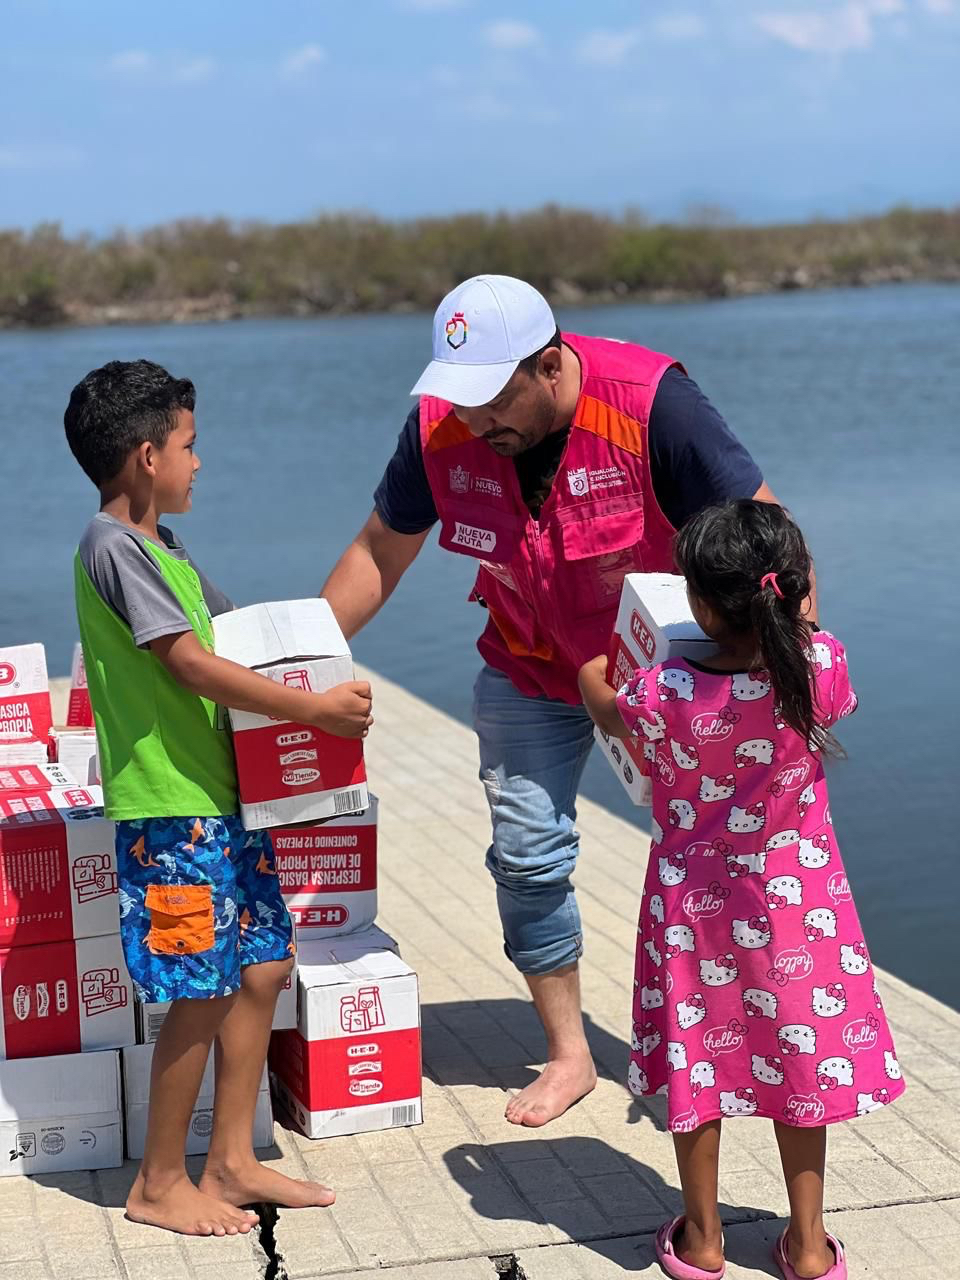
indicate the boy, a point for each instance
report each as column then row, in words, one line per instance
column 202, row 918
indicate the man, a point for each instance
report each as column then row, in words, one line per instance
column 560, row 464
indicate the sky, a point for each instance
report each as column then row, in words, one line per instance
column 118, row 114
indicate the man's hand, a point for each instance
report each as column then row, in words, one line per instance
column 343, row 710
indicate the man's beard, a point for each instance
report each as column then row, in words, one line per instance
column 509, row 442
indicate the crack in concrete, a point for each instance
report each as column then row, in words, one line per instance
column 507, row 1266
column 269, row 1217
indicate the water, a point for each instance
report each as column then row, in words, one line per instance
column 847, row 399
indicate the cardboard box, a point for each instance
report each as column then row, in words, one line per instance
column 353, row 1063
column 286, row 772
column 136, row 1092
column 79, row 711
column 25, row 715
column 328, row 874
column 15, row 778
column 150, row 1016
column 61, row 1114
column 76, row 751
column 58, row 867
column 65, row 997
column 654, row 623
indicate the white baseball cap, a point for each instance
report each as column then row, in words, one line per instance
column 481, row 332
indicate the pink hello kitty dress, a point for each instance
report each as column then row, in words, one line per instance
column 753, row 990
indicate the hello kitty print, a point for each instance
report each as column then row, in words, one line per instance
column 754, row 992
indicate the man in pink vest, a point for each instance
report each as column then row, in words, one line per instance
column 559, row 463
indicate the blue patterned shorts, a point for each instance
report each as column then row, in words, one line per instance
column 199, row 900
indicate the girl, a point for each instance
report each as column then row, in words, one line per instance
column 753, row 991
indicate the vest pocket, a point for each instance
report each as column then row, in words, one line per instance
column 600, row 547
column 181, row 918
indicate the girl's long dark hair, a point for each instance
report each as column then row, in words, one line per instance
column 724, row 552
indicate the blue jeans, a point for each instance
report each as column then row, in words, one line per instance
column 532, row 756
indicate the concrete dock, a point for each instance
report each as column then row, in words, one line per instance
column 467, row 1196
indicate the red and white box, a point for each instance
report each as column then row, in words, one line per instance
column 79, row 711
column 60, row 1114
column 291, row 773
column 328, row 874
column 353, row 1063
column 654, row 623
column 58, row 866
column 76, row 751
column 65, row 997
column 25, row 714
column 16, row 778
column 150, row 1016
column 136, row 1094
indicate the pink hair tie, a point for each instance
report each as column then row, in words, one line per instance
column 770, row 580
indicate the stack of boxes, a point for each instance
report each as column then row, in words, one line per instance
column 350, row 1063
column 66, row 999
column 75, row 1046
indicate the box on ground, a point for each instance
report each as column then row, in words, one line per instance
column 654, row 623
column 65, row 997
column 25, row 715
column 328, row 873
column 150, row 1016
column 353, row 1063
column 286, row 772
column 136, row 1092
column 58, row 868
column 76, row 751
column 61, row 1114
column 79, row 710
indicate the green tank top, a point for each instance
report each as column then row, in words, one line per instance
column 164, row 752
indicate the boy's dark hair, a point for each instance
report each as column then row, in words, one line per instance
column 724, row 552
column 531, row 364
column 119, row 407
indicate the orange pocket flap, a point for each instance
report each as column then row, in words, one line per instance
column 181, row 918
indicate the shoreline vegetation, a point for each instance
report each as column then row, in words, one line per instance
column 198, row 270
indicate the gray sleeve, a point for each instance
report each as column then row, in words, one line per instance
column 126, row 576
column 217, row 602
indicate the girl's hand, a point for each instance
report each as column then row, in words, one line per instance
column 599, row 699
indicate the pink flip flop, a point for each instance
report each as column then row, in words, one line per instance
column 674, row 1265
column 837, row 1272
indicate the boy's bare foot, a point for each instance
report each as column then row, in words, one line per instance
column 253, row 1183
column 561, row 1083
column 177, row 1205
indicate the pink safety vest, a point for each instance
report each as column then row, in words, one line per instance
column 552, row 586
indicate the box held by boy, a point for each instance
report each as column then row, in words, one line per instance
column 65, row 997
column 328, row 873
column 654, row 622
column 58, row 868
column 61, row 1114
column 353, row 1063
column 136, row 1092
column 291, row 773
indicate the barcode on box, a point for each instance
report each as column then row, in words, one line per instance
column 405, row 1115
column 154, row 1023
column 348, row 801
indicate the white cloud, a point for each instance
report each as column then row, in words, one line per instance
column 131, row 62
column 41, row 157
column 195, row 70
column 608, row 48
column 680, row 26
column 511, row 35
column 838, row 29
column 302, row 60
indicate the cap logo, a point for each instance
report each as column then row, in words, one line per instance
column 456, row 330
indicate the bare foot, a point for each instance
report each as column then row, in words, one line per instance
column 561, row 1083
column 253, row 1183
column 698, row 1249
column 811, row 1262
column 178, row 1205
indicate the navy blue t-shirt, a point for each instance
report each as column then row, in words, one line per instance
column 695, row 460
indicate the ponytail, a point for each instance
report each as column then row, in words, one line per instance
column 749, row 562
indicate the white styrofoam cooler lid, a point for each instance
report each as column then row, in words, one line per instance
column 70, row 1084
column 281, row 631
